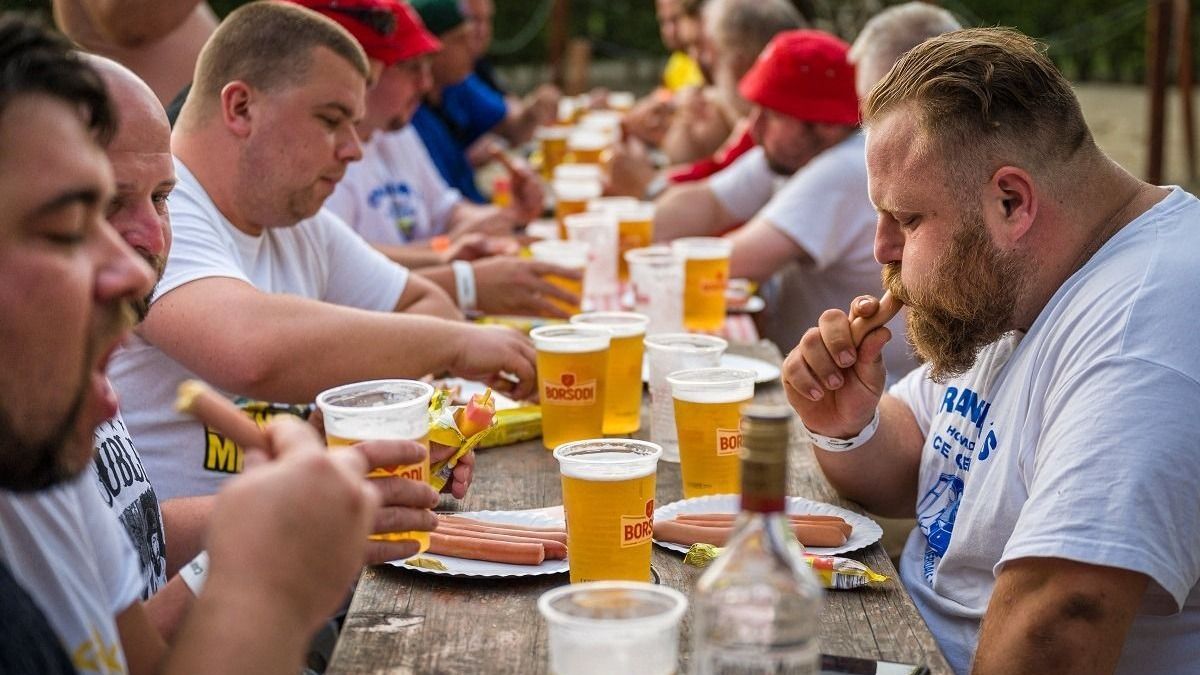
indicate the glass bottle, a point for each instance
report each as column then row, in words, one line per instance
column 758, row 605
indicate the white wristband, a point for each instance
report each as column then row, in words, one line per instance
column 195, row 572
column 843, row 444
column 464, row 284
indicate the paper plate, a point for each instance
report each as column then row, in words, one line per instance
column 461, row 567
column 866, row 531
column 753, row 305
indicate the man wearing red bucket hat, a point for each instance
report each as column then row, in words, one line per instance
column 802, row 192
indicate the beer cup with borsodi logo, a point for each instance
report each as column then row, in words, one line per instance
column 623, row 389
column 708, row 403
column 570, row 254
column 635, row 229
column 572, row 370
column 608, row 497
column 381, row 410
column 705, row 276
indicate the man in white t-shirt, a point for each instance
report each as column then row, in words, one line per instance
column 263, row 296
column 813, row 233
column 1047, row 447
column 68, row 282
column 398, row 201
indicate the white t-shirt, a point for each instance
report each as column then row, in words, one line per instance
column 319, row 258
column 70, row 555
column 394, row 194
column 826, row 210
column 746, row 185
column 126, row 489
column 1076, row 441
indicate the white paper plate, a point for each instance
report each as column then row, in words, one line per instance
column 866, row 531
column 461, row 567
column 763, row 371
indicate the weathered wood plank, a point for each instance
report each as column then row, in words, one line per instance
column 407, row 622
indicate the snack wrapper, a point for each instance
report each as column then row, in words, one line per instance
column 513, row 426
column 443, row 430
column 833, row 572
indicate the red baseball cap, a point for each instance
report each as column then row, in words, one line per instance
column 388, row 30
column 804, row 74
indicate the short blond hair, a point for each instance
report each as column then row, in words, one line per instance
column 269, row 45
column 985, row 97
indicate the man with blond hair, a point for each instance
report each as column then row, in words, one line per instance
column 1046, row 448
column 266, row 296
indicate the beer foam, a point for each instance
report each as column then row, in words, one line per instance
column 620, row 324
column 413, row 428
column 599, row 465
column 702, row 248
column 570, row 339
column 731, row 395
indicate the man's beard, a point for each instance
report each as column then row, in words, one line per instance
column 141, row 306
column 969, row 304
column 27, row 466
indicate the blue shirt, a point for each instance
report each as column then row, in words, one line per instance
column 468, row 110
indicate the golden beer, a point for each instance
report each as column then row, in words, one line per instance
column 587, row 146
column 608, row 497
column 705, row 276
column 417, row 472
column 569, row 254
column 623, row 390
column 572, row 369
column 708, row 404
column 571, row 197
column 381, row 410
column 635, row 229
column 553, row 142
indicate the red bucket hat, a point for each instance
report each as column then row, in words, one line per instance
column 388, row 30
column 804, row 74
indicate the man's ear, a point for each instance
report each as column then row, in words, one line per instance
column 1010, row 204
column 236, row 107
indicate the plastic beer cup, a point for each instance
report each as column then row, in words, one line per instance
column 572, row 369
column 667, row 353
column 708, row 403
column 570, row 197
column 569, row 171
column 553, row 142
column 569, row 254
column 608, row 497
column 613, row 627
column 599, row 231
column 656, row 276
column 381, row 410
column 623, row 390
column 705, row 276
column 587, row 146
column 635, row 229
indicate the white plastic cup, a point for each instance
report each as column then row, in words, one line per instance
column 599, row 231
column 667, row 353
column 613, row 627
column 656, row 280
column 571, row 171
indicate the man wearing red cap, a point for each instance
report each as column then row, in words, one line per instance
column 817, row 228
column 396, row 198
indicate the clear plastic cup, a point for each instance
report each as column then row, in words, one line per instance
column 708, row 414
column 666, row 354
column 635, row 229
column 381, row 409
column 569, row 254
column 613, row 627
column 623, row 391
column 599, row 231
column 621, row 101
column 611, row 204
column 705, row 277
column 569, row 171
column 656, row 276
column 608, row 498
column 572, row 371
column 552, row 142
column 571, row 196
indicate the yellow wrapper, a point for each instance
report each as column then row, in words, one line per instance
column 514, row 425
column 834, row 573
column 426, row 563
column 443, row 430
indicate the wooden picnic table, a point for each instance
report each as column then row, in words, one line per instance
column 402, row 621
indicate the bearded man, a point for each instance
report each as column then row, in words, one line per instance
column 1046, row 447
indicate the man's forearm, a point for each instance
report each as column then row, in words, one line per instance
column 185, row 520
column 881, row 474
column 412, row 256
column 689, row 210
